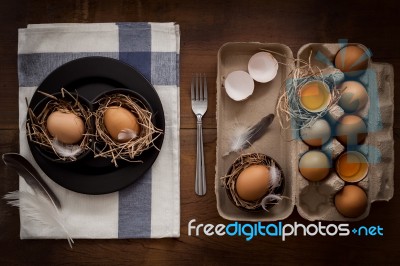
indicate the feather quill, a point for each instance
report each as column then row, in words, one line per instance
column 39, row 209
column 43, row 206
column 26, row 170
column 245, row 137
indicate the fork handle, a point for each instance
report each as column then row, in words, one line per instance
column 200, row 182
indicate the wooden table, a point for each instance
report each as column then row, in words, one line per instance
column 205, row 26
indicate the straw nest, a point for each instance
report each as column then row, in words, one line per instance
column 288, row 108
column 36, row 126
column 107, row 147
column 272, row 194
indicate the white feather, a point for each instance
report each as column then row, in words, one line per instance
column 275, row 175
column 126, row 134
column 39, row 209
column 267, row 200
column 64, row 150
column 240, row 137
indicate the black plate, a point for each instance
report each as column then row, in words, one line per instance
column 91, row 77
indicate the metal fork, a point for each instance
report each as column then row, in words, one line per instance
column 199, row 107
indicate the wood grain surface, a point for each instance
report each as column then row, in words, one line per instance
column 206, row 25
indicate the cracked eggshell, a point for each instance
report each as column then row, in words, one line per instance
column 263, row 67
column 352, row 166
column 239, row 85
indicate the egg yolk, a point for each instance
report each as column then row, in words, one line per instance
column 312, row 96
column 349, row 165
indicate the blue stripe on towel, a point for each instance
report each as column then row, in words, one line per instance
column 139, row 60
column 34, row 68
column 134, row 37
column 134, row 215
column 134, row 211
column 163, row 68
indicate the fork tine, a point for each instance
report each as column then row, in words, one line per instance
column 197, row 87
column 192, row 89
column 201, row 88
column 205, row 88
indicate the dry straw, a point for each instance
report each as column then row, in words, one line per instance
column 36, row 125
column 128, row 151
column 243, row 162
column 288, row 108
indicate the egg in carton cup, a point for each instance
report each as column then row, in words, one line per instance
column 124, row 127
column 335, row 170
column 60, row 127
column 359, row 147
column 254, row 182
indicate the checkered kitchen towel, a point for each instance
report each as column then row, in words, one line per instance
column 150, row 208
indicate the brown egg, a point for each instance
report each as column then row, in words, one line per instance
column 67, row 128
column 351, row 130
column 314, row 165
column 351, row 201
column 351, row 58
column 316, row 134
column 353, row 97
column 121, row 124
column 253, row 182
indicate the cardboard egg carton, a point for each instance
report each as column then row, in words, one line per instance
column 314, row 200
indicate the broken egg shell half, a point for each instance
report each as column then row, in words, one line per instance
column 315, row 96
column 263, row 67
column 352, row 166
column 239, row 85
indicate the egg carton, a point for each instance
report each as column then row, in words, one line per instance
column 314, row 200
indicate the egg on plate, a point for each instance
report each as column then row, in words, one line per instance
column 121, row 124
column 66, row 127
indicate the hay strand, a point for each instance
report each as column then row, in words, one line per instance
column 38, row 134
column 245, row 161
column 107, row 147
